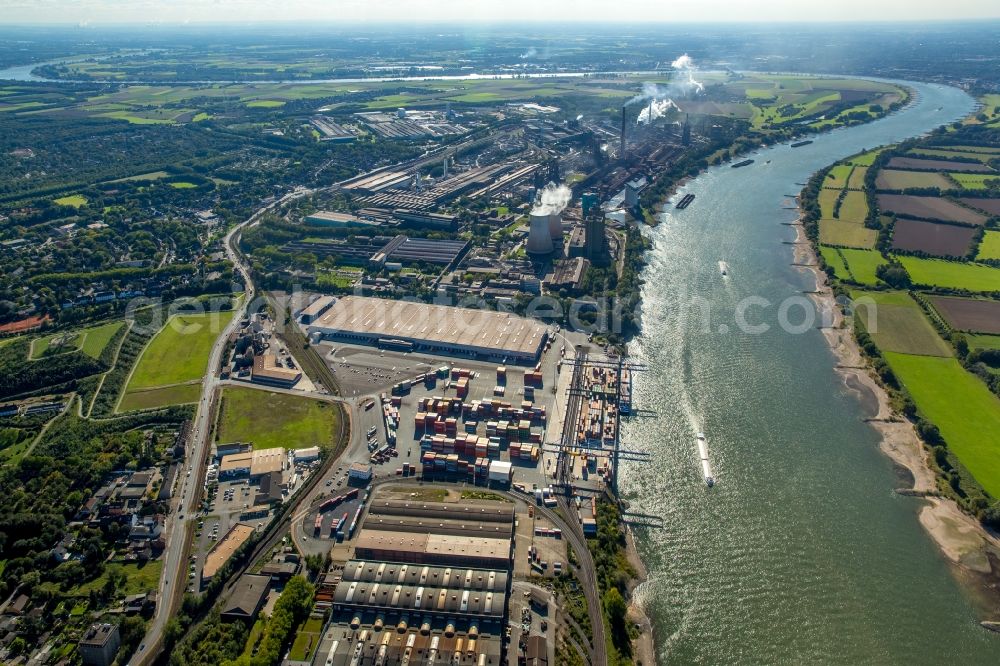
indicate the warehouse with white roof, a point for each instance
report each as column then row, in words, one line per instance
column 434, row 329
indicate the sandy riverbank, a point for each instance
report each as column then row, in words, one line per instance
column 973, row 550
column 643, row 647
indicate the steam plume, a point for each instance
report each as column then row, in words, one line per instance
column 552, row 199
column 686, row 69
column 656, row 109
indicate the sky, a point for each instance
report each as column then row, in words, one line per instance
column 98, row 12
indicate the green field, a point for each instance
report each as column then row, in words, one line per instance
column 828, row 202
column 97, row 338
column 846, row 234
column 973, row 181
column 74, row 200
column 136, row 119
column 961, row 406
column 179, row 394
column 946, row 154
column 989, row 248
column 857, row 180
column 153, row 175
column 836, row 179
column 271, row 420
column 857, row 265
column 183, row 185
column 140, row 578
column 983, row 341
column 834, row 259
column 91, row 341
column 865, row 159
column 57, row 343
column 179, row 352
column 265, row 104
column 862, row 264
column 306, row 640
column 952, row 275
column 854, row 207
column 897, row 324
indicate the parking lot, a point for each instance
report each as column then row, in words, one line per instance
column 364, row 370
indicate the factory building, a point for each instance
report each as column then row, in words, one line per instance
column 422, row 219
column 378, row 250
column 420, row 596
column 325, row 218
column 433, row 329
column 439, row 549
column 266, row 370
column 427, row 590
column 253, row 464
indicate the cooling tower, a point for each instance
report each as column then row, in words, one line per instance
column 555, row 227
column 539, row 234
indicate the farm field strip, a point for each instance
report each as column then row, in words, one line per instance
column 952, row 275
column 948, row 153
column 863, row 264
column 937, row 165
column 897, row 324
column 989, row 206
column 892, row 179
column 983, row 341
column 961, row 406
column 854, row 207
column 857, row 179
column 969, row 314
column 972, row 181
column 837, row 178
column 933, row 208
column 989, row 247
column 940, row 240
column 846, row 234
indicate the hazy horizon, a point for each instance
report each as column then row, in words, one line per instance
column 181, row 12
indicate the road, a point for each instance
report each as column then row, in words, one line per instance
column 188, row 494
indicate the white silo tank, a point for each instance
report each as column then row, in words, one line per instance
column 555, row 226
column 539, row 234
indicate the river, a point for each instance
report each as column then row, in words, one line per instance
column 801, row 553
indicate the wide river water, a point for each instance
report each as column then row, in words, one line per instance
column 801, row 553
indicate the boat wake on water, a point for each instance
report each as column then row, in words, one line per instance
column 706, row 468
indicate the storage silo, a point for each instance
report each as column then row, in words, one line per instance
column 540, row 234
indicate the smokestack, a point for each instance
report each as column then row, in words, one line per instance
column 622, row 150
column 649, row 118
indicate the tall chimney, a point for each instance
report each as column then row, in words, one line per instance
column 622, row 150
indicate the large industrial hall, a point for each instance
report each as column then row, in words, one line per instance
column 436, row 329
column 425, row 587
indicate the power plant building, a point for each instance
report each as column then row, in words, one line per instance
column 596, row 244
column 540, row 234
column 434, row 329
